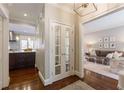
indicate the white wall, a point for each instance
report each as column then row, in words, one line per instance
column 5, row 56
column 117, row 32
column 110, row 25
column 6, row 77
column 40, row 45
column 102, row 9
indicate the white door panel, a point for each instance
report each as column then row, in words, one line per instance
column 61, row 50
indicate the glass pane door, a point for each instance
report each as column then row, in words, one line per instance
column 57, row 50
column 67, row 49
column 61, row 51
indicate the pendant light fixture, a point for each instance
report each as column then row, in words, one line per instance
column 83, row 9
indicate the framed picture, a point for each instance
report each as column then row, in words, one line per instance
column 100, row 45
column 101, row 40
column 112, row 45
column 112, row 39
column 106, row 39
column 106, row 45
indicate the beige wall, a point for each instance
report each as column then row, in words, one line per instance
column 54, row 13
column 40, row 46
column 77, row 43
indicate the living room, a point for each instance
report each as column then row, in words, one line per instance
column 103, row 49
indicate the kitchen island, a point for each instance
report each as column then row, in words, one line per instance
column 21, row 59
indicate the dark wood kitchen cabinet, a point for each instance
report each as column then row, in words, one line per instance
column 21, row 60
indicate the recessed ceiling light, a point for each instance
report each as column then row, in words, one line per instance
column 25, row 14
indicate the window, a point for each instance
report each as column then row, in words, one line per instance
column 27, row 44
column 31, row 44
column 24, row 44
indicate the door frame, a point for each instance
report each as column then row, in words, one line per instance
column 5, row 39
column 50, row 48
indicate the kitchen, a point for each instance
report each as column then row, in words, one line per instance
column 21, row 46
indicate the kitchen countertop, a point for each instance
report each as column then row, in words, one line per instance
column 22, row 51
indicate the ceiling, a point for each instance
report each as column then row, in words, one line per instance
column 22, row 29
column 66, row 6
column 33, row 10
column 17, row 10
column 20, row 23
column 108, row 21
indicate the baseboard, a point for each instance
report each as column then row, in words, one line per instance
column 7, row 83
column 45, row 82
column 78, row 74
column 35, row 65
column 8, row 80
column 0, row 85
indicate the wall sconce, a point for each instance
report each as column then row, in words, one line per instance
column 83, row 9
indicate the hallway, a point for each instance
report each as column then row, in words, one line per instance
column 28, row 79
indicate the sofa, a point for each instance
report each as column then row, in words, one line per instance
column 100, row 57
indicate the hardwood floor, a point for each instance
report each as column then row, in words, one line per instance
column 28, row 79
column 99, row 82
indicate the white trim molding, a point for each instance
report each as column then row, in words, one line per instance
column 78, row 74
column 51, row 50
column 45, row 82
column 5, row 62
column 3, row 11
column 0, row 85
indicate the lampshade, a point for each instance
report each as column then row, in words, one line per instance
column 89, row 45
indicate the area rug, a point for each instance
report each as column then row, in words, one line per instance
column 78, row 85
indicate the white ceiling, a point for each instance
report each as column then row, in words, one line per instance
column 22, row 29
column 24, row 24
column 109, row 21
column 65, row 6
column 33, row 10
column 17, row 10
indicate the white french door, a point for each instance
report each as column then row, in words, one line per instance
column 62, row 46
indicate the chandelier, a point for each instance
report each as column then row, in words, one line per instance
column 83, row 9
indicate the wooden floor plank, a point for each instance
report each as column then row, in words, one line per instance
column 99, row 81
column 28, row 79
